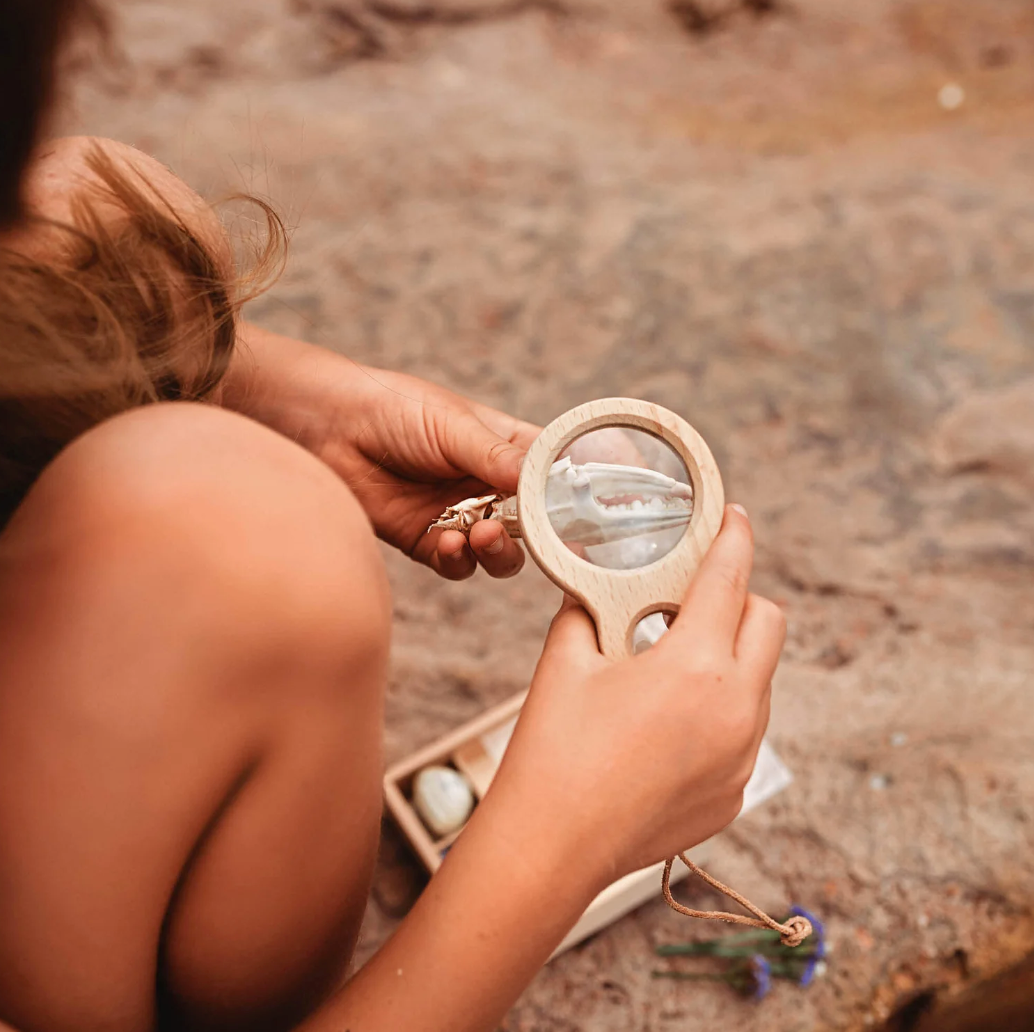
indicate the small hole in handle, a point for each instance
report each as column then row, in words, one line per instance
column 650, row 630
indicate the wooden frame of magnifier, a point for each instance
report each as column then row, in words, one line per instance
column 618, row 599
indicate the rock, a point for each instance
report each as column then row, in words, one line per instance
column 991, row 431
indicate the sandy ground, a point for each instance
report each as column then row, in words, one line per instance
column 768, row 223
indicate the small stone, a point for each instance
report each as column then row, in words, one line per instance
column 898, row 739
column 990, row 430
column 443, row 798
column 950, row 96
column 879, row 782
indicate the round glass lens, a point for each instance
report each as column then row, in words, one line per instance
column 620, row 498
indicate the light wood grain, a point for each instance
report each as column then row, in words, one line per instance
column 398, row 778
column 473, row 761
column 618, row 599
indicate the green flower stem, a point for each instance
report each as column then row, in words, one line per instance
column 791, row 971
column 760, row 937
column 767, row 946
column 691, row 976
column 716, row 949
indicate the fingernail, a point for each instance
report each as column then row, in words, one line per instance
column 739, row 508
column 495, row 547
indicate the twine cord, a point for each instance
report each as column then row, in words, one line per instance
column 795, row 930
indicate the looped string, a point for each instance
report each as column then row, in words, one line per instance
column 792, row 933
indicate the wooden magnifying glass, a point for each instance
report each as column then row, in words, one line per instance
column 622, row 527
column 632, row 503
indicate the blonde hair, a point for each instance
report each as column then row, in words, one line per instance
column 118, row 313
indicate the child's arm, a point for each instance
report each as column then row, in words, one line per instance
column 508, row 892
column 406, row 448
column 612, row 766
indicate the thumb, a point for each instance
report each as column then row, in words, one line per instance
column 482, row 453
column 571, row 638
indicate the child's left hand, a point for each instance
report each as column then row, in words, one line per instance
column 418, row 448
column 406, row 448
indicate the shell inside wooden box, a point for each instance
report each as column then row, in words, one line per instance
column 476, row 749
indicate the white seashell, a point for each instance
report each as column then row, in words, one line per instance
column 443, row 798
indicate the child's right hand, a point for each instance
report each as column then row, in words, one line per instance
column 612, row 766
column 624, row 764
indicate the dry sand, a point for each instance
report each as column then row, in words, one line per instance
column 768, row 223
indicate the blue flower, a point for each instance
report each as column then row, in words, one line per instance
column 761, row 971
column 751, row 977
column 756, row 957
column 804, row 979
column 816, row 942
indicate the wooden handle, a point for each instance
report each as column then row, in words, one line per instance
column 618, row 599
column 613, row 631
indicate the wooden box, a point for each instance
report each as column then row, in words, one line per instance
column 476, row 749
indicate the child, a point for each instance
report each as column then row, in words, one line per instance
column 194, row 627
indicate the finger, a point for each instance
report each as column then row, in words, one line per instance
column 479, row 452
column 516, row 431
column 495, row 550
column 761, row 726
column 760, row 639
column 750, row 756
column 452, row 557
column 572, row 635
column 764, row 713
column 713, row 606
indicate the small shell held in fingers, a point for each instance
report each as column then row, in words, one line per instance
column 443, row 798
column 463, row 515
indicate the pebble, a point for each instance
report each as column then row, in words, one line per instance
column 443, row 798
column 950, row 96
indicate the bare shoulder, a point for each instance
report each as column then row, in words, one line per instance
column 171, row 501
column 184, row 465
column 188, row 602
